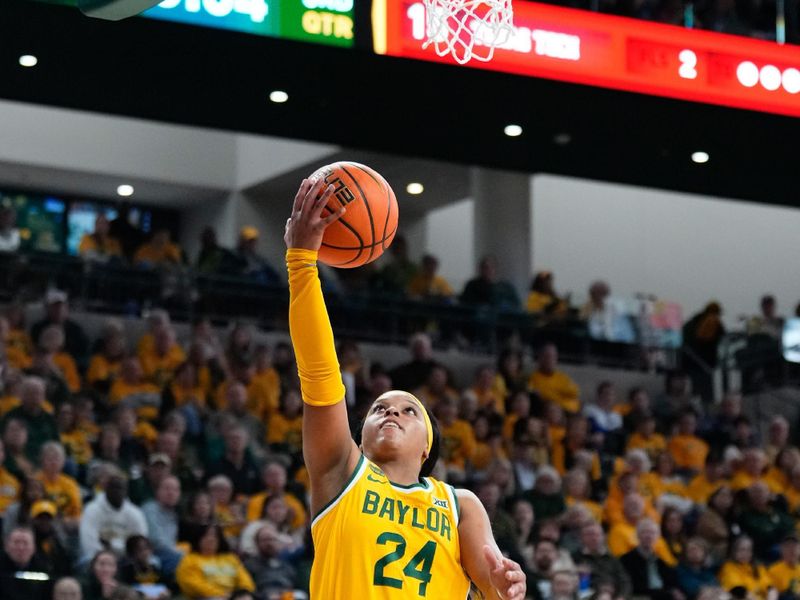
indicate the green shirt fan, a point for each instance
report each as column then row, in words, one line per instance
column 115, row 10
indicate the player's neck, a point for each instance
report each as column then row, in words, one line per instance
column 400, row 472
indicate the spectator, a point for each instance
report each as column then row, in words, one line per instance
column 436, row 387
column 623, row 535
column 702, row 486
column 553, row 385
column 50, row 349
column 275, row 512
column 76, row 343
column 67, row 588
column 105, row 365
column 249, row 263
column 159, row 467
column 720, row 428
column 161, row 515
column 645, row 437
column 546, row 497
column 9, row 233
column 123, row 229
column 687, row 449
column 51, row 539
column 159, row 362
column 599, row 313
column 75, row 440
column 605, row 421
column 41, row 427
column 764, row 522
column 486, row 290
column 236, row 411
column 411, row 375
column 777, row 437
column 577, row 492
column 272, row 575
column 397, row 272
column 62, row 490
column 274, row 478
column 754, row 468
column 785, row 573
column 483, row 393
column 19, row 513
column 595, row 558
column 703, row 333
column 768, row 323
column 716, row 523
column 237, row 462
column 199, row 512
column 543, row 299
column 285, row 432
column 672, row 531
column 9, row 484
column 101, row 580
column 23, row 575
column 675, row 401
column 503, row 526
column 141, row 567
column 458, row 440
column 210, row 570
column 228, row 511
column 510, row 377
column 100, row 246
column 15, row 442
column 426, row 284
column 564, row 585
column 212, row 258
column 742, row 570
column 650, row 575
column 574, row 449
column 694, row 572
column 132, row 389
column 159, row 252
column 110, row 519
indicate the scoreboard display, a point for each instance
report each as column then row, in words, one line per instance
column 618, row 53
column 320, row 21
column 328, row 22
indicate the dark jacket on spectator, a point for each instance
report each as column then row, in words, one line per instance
column 637, row 565
column 15, row 586
column 606, row 566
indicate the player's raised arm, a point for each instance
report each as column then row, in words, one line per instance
column 328, row 448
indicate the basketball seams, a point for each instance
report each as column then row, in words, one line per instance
column 354, row 232
column 366, row 205
column 379, row 242
column 390, row 200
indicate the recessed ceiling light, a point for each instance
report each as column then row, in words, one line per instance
column 28, row 60
column 278, row 96
column 415, row 188
column 700, row 157
column 125, row 190
column 562, row 139
column 512, row 130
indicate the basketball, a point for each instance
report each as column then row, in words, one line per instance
column 368, row 227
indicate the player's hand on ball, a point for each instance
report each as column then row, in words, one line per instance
column 506, row 575
column 306, row 226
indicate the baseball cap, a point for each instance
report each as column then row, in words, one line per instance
column 43, row 507
column 159, row 457
column 248, row 232
column 54, row 295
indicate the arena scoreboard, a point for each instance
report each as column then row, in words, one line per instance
column 618, row 53
column 328, row 22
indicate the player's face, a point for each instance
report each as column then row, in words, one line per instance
column 395, row 424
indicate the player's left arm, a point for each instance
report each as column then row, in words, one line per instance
column 497, row 577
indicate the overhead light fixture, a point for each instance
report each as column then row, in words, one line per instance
column 125, row 190
column 700, row 157
column 278, row 96
column 28, row 60
column 415, row 188
column 513, row 130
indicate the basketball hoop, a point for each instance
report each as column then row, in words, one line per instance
column 468, row 29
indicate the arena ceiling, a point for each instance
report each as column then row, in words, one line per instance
column 353, row 98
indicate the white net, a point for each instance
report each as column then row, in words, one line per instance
column 468, row 29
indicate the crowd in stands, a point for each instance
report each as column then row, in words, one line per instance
column 157, row 467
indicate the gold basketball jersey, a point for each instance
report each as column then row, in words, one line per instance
column 378, row 540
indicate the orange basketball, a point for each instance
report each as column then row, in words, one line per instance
column 367, row 228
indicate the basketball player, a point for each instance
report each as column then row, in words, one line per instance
column 382, row 529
